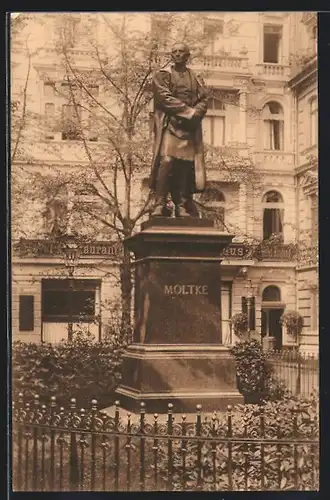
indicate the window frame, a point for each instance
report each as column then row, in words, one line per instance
column 274, row 30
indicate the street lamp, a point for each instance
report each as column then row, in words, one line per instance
column 249, row 297
column 70, row 249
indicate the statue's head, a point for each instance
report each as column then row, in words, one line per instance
column 180, row 53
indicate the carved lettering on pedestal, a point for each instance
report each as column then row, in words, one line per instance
column 186, row 289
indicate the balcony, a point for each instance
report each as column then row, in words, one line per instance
column 221, row 62
column 308, row 257
column 274, row 160
column 276, row 252
column 274, row 71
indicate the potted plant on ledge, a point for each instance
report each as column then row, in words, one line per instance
column 240, row 325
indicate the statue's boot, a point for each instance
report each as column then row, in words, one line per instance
column 180, row 191
column 162, row 187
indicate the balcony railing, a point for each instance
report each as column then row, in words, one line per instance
column 219, row 61
column 308, row 256
column 274, row 70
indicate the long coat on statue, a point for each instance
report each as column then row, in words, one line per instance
column 168, row 108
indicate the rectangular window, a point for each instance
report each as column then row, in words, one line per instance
column 212, row 29
column 49, row 89
column 313, row 122
column 273, row 222
column 49, row 120
column 272, row 43
column 70, row 122
column 214, row 130
column 226, row 297
column 274, row 135
column 92, row 129
column 26, row 313
column 68, row 301
column 314, row 220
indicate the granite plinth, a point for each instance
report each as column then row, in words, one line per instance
column 177, row 356
column 182, row 375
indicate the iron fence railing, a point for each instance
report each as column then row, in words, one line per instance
column 57, row 449
column 298, row 371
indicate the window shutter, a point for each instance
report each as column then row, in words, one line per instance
column 244, row 305
column 26, row 313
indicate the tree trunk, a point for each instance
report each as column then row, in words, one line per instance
column 126, row 291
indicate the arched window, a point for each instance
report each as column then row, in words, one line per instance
column 273, row 214
column 213, row 204
column 271, row 294
column 313, row 121
column 273, row 123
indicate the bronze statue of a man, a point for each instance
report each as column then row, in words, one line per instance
column 178, row 167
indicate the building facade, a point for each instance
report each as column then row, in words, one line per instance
column 261, row 127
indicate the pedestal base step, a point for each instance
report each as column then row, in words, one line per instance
column 183, row 402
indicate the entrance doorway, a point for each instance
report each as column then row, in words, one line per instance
column 271, row 311
column 271, row 325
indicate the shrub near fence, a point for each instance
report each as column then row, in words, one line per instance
column 268, row 447
column 82, row 367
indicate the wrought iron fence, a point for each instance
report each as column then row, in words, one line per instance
column 298, row 371
column 88, row 450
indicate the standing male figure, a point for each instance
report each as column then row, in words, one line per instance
column 178, row 162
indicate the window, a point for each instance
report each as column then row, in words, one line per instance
column 272, row 43
column 273, row 214
column 92, row 129
column 70, row 122
column 70, row 29
column 49, row 120
column 212, row 29
column 273, row 123
column 226, row 300
column 314, row 220
column 68, row 302
column 214, row 123
column 271, row 294
column 26, row 313
column 62, row 304
column 49, row 89
column 313, row 121
column 56, row 213
column 160, row 30
column 213, row 202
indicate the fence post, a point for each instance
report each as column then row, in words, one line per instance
column 35, row 445
column 230, row 435
column 199, row 446
column 18, row 471
column 155, row 450
column 93, row 443
column 116, row 450
column 298, row 389
column 73, row 461
column 52, row 443
column 142, row 444
column 169, row 447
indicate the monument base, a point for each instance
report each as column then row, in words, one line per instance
column 184, row 375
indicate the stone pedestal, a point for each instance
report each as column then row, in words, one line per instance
column 177, row 355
